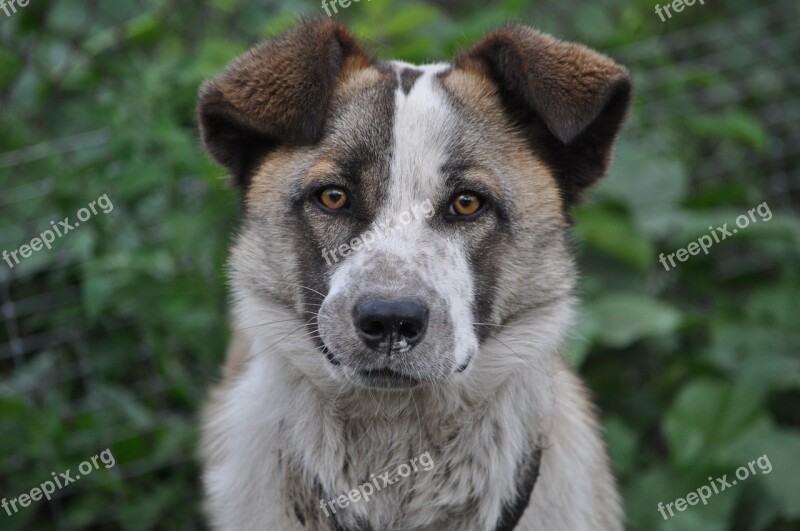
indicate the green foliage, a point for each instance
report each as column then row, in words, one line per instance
column 113, row 337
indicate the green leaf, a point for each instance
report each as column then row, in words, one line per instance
column 651, row 186
column 409, row 18
column 621, row 445
column 737, row 125
column 782, row 452
column 708, row 417
column 663, row 485
column 624, row 318
column 613, row 233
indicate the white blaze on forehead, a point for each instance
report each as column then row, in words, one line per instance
column 424, row 123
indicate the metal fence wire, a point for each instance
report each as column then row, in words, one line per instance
column 76, row 378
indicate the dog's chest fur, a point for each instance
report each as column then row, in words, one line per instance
column 480, row 454
column 452, row 492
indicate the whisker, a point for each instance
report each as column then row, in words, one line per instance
column 264, row 324
column 279, row 340
column 296, row 285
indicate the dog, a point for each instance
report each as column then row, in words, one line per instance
column 402, row 284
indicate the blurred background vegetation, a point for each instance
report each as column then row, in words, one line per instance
column 111, row 339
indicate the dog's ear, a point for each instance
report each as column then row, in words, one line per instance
column 569, row 99
column 277, row 93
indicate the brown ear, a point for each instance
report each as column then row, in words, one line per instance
column 276, row 93
column 569, row 100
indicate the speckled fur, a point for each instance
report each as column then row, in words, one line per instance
column 286, row 428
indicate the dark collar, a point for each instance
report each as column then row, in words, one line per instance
column 527, row 476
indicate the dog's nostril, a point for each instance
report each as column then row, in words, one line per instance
column 373, row 329
column 378, row 321
column 408, row 331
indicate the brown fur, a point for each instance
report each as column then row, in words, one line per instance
column 570, row 99
column 277, row 93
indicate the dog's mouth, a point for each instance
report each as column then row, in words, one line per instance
column 383, row 377
column 387, row 378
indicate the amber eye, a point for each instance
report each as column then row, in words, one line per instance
column 466, row 204
column 333, row 197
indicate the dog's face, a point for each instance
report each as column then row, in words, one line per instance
column 402, row 212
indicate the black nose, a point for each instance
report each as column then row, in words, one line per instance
column 378, row 321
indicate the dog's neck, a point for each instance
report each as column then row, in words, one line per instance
column 340, row 441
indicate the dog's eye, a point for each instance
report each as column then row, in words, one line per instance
column 466, row 204
column 333, row 198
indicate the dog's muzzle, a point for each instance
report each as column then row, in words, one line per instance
column 383, row 325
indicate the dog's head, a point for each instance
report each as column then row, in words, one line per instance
column 404, row 211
